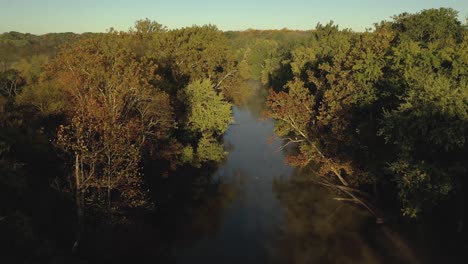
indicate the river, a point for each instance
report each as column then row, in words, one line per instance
column 254, row 215
column 253, row 208
column 272, row 216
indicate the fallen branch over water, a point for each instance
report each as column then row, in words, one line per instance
column 354, row 198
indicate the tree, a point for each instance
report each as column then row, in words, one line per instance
column 10, row 83
column 318, row 109
column 208, row 115
column 32, row 68
column 208, row 112
column 429, row 25
column 147, row 28
column 384, row 104
column 113, row 113
column 195, row 53
column 44, row 96
column 429, row 129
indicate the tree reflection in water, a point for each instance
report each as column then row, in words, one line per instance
column 318, row 229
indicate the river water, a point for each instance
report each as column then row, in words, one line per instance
column 253, row 208
column 254, row 215
column 272, row 215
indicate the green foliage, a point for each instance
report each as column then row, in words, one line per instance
column 257, row 54
column 45, row 97
column 208, row 112
column 429, row 25
column 146, row 27
column 387, row 107
column 416, row 122
column 194, row 53
column 188, row 155
column 15, row 46
column 419, row 184
column 208, row 115
column 262, row 55
column 209, row 149
column 31, row 69
column 429, row 129
column 120, row 98
column 244, row 72
column 390, row 104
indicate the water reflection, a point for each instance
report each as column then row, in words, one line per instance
column 254, row 215
column 319, row 229
column 276, row 215
column 250, row 209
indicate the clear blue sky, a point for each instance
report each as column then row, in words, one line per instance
column 42, row 16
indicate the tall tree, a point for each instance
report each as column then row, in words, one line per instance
column 113, row 113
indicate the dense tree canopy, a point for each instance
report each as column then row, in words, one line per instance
column 385, row 104
column 380, row 117
column 118, row 99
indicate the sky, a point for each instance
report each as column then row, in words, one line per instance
column 44, row 16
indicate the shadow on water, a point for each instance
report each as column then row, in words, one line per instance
column 319, row 229
column 254, row 214
column 277, row 216
column 252, row 208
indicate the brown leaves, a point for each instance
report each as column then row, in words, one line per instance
column 293, row 110
column 114, row 113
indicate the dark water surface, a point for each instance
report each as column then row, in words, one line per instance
column 255, row 214
column 275, row 216
column 252, row 208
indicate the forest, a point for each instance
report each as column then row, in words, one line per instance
column 102, row 130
